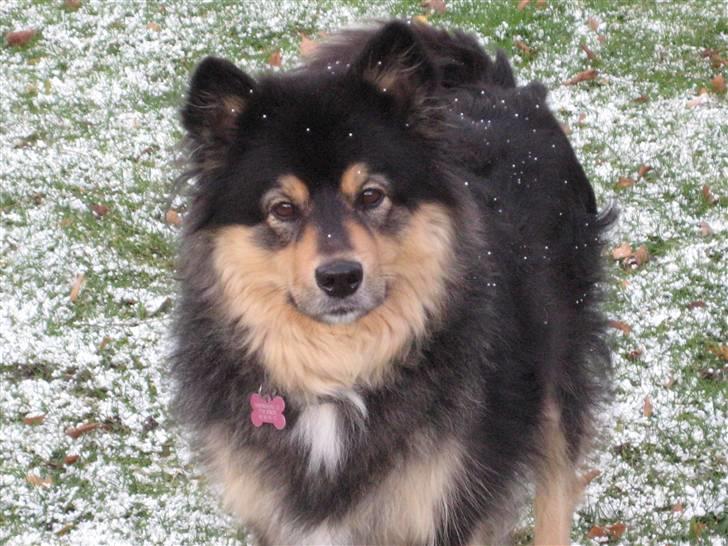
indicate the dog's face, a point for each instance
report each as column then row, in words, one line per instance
column 319, row 187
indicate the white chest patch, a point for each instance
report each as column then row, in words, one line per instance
column 319, row 429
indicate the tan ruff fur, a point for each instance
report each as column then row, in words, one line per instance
column 313, row 358
column 406, row 507
column 557, row 488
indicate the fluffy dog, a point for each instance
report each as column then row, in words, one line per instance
column 388, row 323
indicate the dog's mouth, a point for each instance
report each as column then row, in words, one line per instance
column 329, row 311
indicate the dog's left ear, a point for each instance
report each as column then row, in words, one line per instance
column 396, row 63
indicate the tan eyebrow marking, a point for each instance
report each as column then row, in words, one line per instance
column 294, row 188
column 353, row 179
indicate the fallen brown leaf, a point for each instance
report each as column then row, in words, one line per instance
column 718, row 84
column 522, row 46
column 589, row 53
column 151, row 25
column 617, row 530
column 643, row 170
column 436, row 6
column 678, row 507
column 705, row 229
column 641, row 255
column 76, row 287
column 597, row 531
column 104, row 342
column 65, row 529
column 622, row 251
column 619, row 325
column 721, row 351
column 72, row 5
column 99, row 210
column 601, row 38
column 70, row 459
column 173, row 218
column 80, row 430
column 583, row 76
column 697, row 304
column 421, row 19
column 634, row 355
column 624, row 182
column 588, row 477
column 708, row 195
column 307, row 47
column 38, row 481
column 33, row 420
column 641, row 98
column 522, row 4
column 275, row 58
column 19, row 38
column 647, row 407
column 697, row 101
column 593, row 23
column 540, row 4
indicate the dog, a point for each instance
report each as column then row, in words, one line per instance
column 388, row 327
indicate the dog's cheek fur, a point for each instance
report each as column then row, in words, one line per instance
column 312, row 358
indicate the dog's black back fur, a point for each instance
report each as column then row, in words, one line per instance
column 522, row 322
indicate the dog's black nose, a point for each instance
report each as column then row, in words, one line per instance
column 339, row 279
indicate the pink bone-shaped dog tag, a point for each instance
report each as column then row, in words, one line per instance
column 267, row 410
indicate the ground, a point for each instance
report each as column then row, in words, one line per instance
column 88, row 148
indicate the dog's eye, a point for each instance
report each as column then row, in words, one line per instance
column 284, row 211
column 370, row 198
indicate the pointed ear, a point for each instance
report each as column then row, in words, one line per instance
column 219, row 92
column 396, row 63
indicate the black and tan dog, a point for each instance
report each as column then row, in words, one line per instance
column 388, row 322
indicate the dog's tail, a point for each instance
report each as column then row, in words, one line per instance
column 458, row 57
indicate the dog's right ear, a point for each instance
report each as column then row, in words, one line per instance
column 219, row 93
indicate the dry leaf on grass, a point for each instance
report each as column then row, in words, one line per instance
column 678, row 507
column 614, row 531
column 708, row 195
column 705, row 229
column 619, row 325
column 421, row 19
column 589, row 53
column 522, row 46
column 718, row 84
column 643, row 170
column 153, row 26
column 697, row 101
column 33, row 420
column 80, row 430
column 275, row 58
column 593, row 23
column 647, row 408
column 307, row 47
column 70, row 459
column 634, row 355
column 624, row 182
column 38, row 481
column 19, row 38
column 522, row 4
column 76, row 287
column 721, row 351
column 173, row 218
column 697, row 304
column 622, row 251
column 436, row 6
column 72, row 5
column 99, row 210
column 583, row 76
column 641, row 99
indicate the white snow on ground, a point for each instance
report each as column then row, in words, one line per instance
column 88, row 116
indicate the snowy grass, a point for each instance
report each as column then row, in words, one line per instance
column 88, row 129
